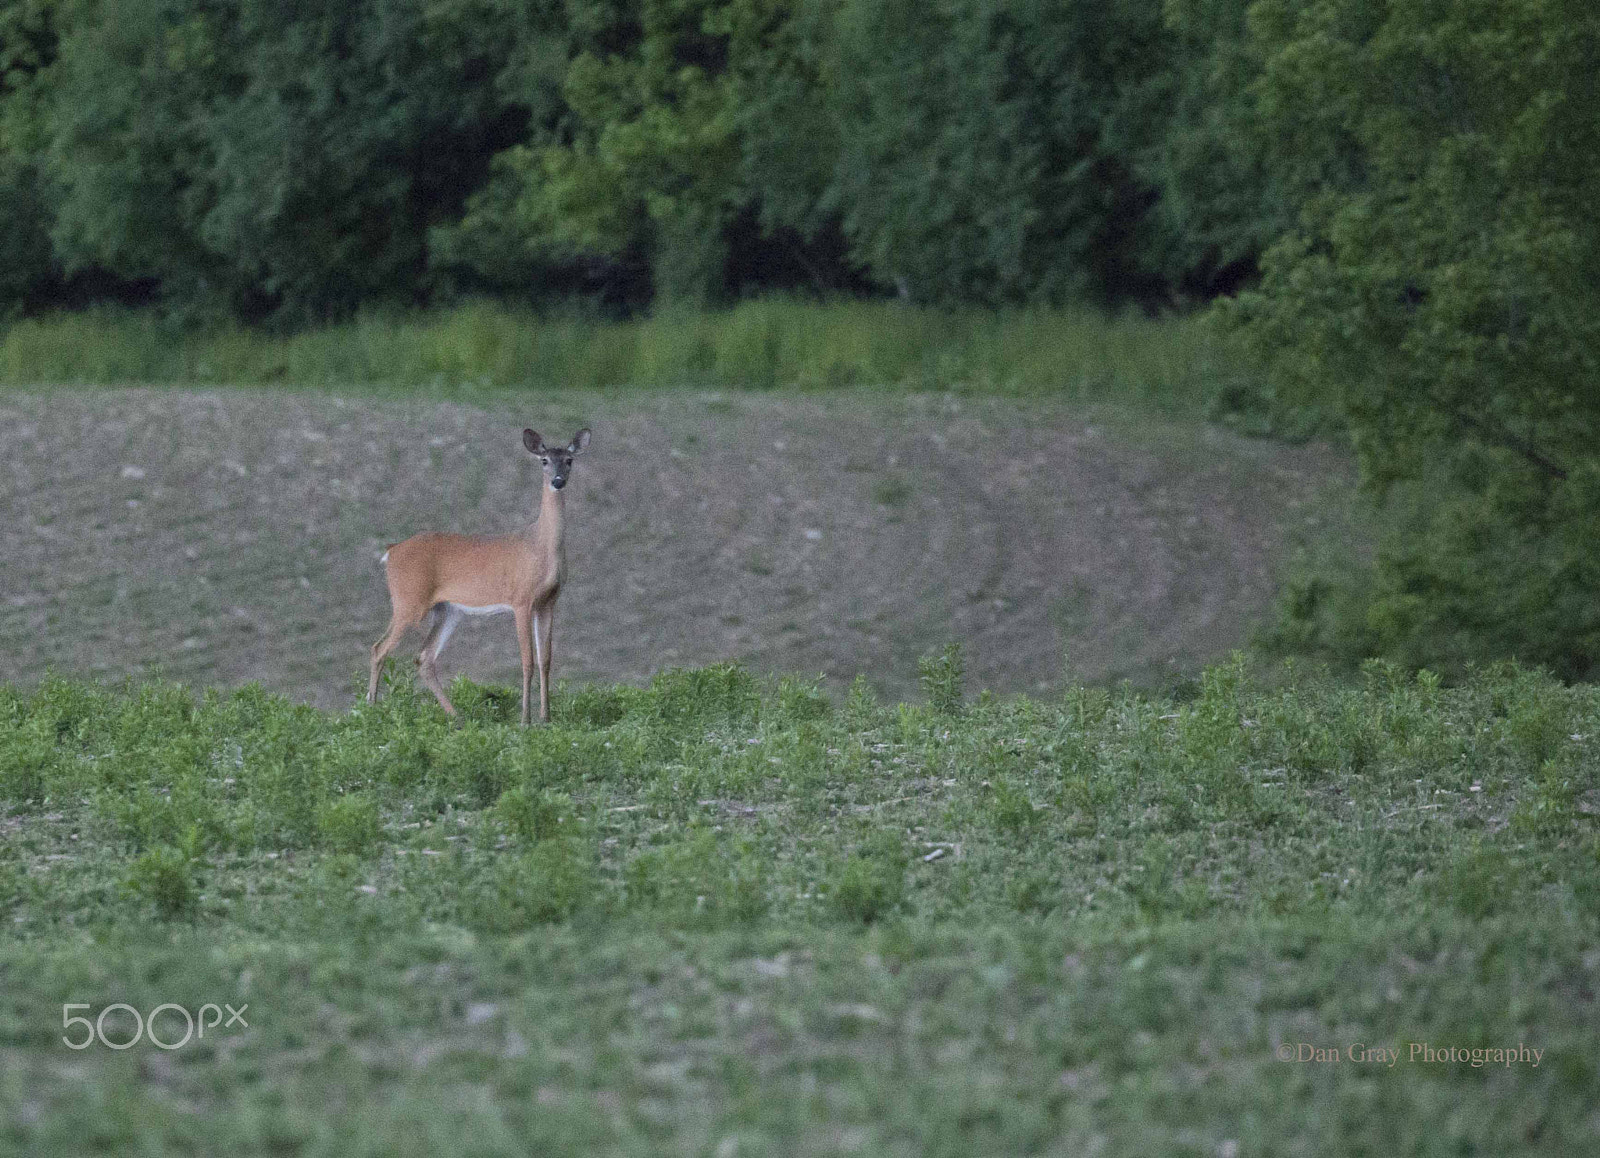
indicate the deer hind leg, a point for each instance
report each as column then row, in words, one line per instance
column 398, row 622
column 442, row 624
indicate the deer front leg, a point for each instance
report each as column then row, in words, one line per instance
column 525, row 625
column 544, row 623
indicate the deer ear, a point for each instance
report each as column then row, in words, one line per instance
column 579, row 441
column 531, row 440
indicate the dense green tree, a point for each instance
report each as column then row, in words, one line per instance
column 988, row 151
column 1220, row 202
column 650, row 160
column 502, row 242
column 276, row 159
column 28, row 269
column 965, row 151
column 297, row 161
column 1441, row 287
column 651, row 154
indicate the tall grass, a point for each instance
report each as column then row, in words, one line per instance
column 757, row 345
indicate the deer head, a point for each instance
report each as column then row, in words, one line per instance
column 557, row 460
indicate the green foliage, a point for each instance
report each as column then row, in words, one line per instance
column 240, row 160
column 1012, row 807
column 350, row 823
column 29, row 271
column 1480, row 884
column 594, row 705
column 714, row 799
column 262, row 161
column 1176, row 365
column 474, row 762
column 534, row 815
column 552, row 881
column 1438, row 289
column 13, row 880
column 1152, row 884
column 861, row 706
column 699, row 881
column 1221, row 200
column 1035, row 886
column 681, row 699
column 29, row 762
column 870, row 884
column 652, row 154
column 942, row 674
column 165, row 877
column 799, row 701
column 989, row 152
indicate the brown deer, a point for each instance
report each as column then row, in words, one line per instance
column 444, row 577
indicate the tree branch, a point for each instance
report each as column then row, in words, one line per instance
column 1504, row 438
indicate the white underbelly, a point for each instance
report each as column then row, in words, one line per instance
column 490, row 609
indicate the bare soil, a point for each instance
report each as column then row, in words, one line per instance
column 221, row 537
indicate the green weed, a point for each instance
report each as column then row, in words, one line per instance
column 733, row 909
column 350, row 823
column 681, row 699
column 699, row 881
column 13, row 881
column 861, row 705
column 1481, row 882
column 534, row 815
column 552, row 881
column 942, row 675
column 1012, row 808
column 165, row 876
column 870, row 884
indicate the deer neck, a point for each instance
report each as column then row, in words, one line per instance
column 548, row 530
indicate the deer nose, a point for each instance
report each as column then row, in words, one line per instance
column 558, row 481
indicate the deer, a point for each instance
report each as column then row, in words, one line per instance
column 443, row 577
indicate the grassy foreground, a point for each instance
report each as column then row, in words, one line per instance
column 722, row 916
column 1077, row 355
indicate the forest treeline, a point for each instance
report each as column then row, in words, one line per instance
column 298, row 161
column 1395, row 201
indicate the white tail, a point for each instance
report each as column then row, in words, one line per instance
column 444, row 577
